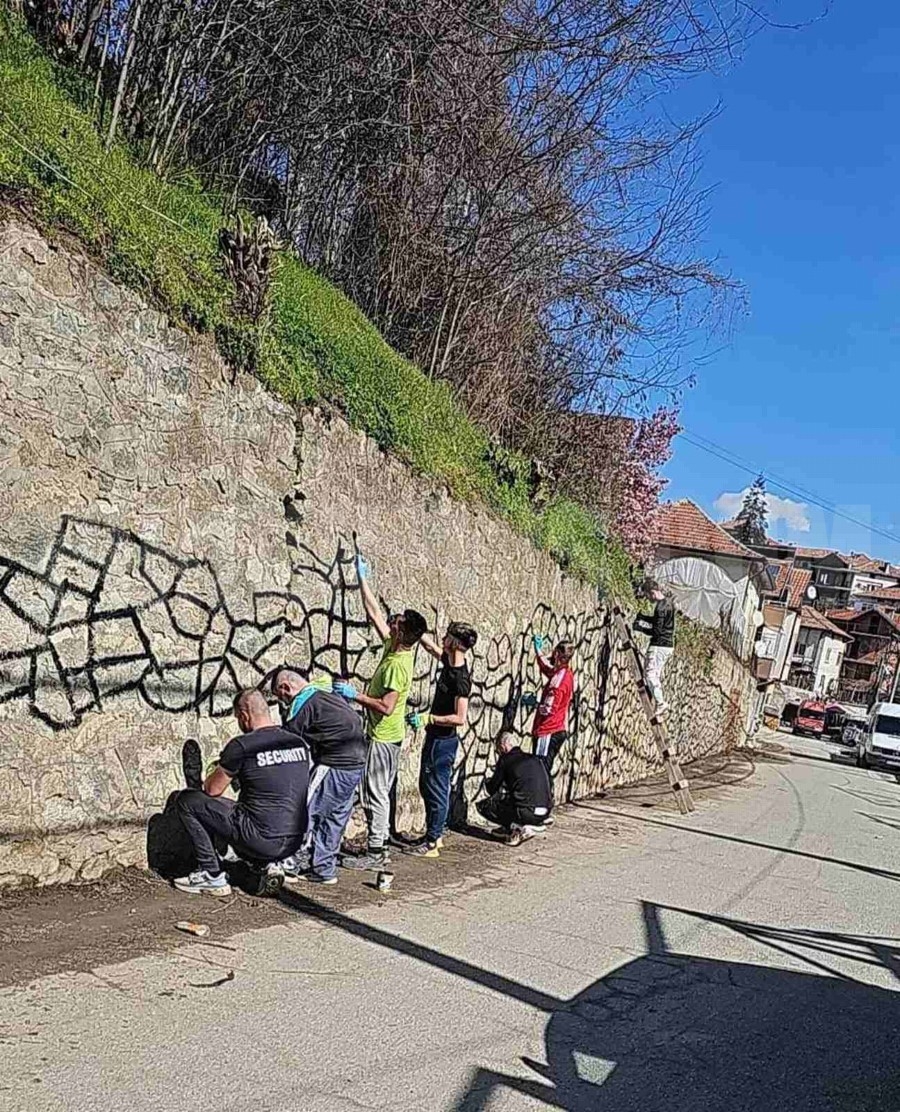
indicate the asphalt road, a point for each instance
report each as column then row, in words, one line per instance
column 743, row 957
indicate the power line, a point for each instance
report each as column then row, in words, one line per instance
column 796, row 490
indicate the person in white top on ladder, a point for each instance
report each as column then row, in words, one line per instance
column 661, row 628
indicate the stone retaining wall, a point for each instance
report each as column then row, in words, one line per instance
column 169, row 532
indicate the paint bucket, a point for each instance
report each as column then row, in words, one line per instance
column 384, row 881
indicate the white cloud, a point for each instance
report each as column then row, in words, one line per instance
column 795, row 515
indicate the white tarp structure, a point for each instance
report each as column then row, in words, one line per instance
column 703, row 591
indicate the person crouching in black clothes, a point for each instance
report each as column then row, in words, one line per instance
column 268, row 821
column 519, row 797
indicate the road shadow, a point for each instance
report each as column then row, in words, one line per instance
column 722, row 770
column 689, row 1034
column 672, row 1032
column 855, row 866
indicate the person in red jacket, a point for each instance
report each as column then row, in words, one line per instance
column 552, row 713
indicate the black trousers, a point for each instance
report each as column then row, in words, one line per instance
column 211, row 820
column 501, row 810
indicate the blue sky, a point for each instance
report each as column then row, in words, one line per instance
column 805, row 161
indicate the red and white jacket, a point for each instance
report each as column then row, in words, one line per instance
column 552, row 714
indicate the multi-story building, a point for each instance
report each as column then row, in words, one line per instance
column 885, row 598
column 818, row 654
column 871, row 576
column 870, row 665
column 832, row 576
column 781, row 609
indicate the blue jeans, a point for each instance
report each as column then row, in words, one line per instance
column 330, row 804
column 435, row 772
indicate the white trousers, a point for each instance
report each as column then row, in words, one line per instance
column 655, row 662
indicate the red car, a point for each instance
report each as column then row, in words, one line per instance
column 810, row 718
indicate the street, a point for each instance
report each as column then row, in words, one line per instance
column 742, row 957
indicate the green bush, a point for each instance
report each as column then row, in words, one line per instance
column 161, row 239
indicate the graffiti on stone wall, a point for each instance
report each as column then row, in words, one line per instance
column 109, row 613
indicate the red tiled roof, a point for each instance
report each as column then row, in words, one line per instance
column 794, row 581
column 815, row 619
column 880, row 592
column 845, row 615
column 814, row 553
column 859, row 561
column 684, row 525
column 848, row 616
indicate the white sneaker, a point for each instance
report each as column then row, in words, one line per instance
column 202, row 883
column 519, row 834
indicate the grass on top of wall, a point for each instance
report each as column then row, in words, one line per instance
column 161, row 238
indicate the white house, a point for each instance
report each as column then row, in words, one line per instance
column 819, row 653
column 713, row 577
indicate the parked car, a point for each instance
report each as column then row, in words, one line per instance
column 810, row 718
column 879, row 746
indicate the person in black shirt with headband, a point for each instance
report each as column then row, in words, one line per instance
column 449, row 710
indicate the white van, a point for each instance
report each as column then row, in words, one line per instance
column 880, row 745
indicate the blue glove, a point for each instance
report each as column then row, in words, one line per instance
column 345, row 690
column 362, row 567
column 529, row 701
column 417, row 720
column 538, row 642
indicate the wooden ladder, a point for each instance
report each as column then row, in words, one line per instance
column 677, row 780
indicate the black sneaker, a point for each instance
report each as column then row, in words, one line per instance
column 316, row 878
column 192, row 764
column 370, row 860
column 423, row 849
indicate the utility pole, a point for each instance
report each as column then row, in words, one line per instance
column 896, row 674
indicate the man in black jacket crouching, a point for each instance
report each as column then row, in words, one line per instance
column 519, row 797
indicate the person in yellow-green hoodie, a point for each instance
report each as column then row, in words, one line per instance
column 384, row 702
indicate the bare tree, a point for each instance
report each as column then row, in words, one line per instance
column 493, row 181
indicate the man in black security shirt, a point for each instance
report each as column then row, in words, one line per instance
column 333, row 730
column 519, row 796
column 449, row 710
column 269, row 819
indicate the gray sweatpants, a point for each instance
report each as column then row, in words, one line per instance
column 382, row 762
